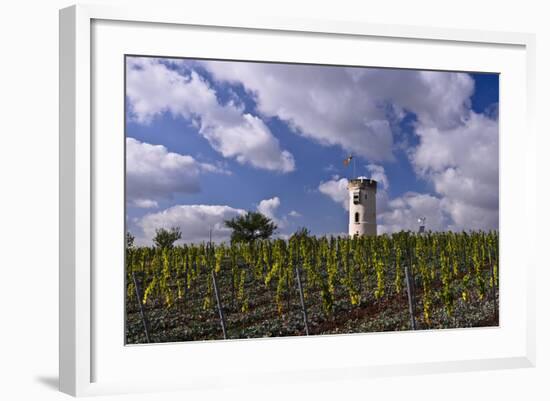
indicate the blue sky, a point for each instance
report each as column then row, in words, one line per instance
column 208, row 140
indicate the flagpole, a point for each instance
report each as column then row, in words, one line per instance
column 347, row 161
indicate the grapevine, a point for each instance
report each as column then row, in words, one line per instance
column 447, row 270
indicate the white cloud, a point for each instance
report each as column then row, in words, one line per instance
column 195, row 222
column 378, row 174
column 403, row 213
column 144, row 203
column 268, row 207
column 397, row 214
column 294, row 213
column 152, row 172
column 360, row 109
column 153, row 89
column 356, row 109
column 469, row 217
column 337, row 190
column 462, row 163
column 350, row 107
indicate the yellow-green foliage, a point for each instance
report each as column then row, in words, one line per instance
column 450, row 267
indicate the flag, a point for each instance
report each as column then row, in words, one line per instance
column 347, row 160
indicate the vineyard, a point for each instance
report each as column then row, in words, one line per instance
column 312, row 285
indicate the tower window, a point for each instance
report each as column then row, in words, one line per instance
column 356, row 197
column 357, row 217
column 365, row 196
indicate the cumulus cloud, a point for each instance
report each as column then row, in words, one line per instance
column 378, row 173
column 153, row 88
column 144, row 203
column 357, row 109
column 269, row 208
column 152, row 172
column 354, row 108
column 294, row 213
column 337, row 190
column 401, row 213
column 195, row 222
column 462, row 163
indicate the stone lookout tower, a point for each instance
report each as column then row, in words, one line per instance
column 362, row 206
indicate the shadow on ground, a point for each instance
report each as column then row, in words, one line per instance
column 52, row 382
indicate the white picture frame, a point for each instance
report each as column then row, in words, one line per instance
column 81, row 346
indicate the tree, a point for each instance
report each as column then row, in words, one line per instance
column 129, row 239
column 166, row 238
column 251, row 226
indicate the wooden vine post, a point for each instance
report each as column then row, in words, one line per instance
column 304, row 310
column 139, row 297
column 410, row 297
column 218, row 302
column 215, row 283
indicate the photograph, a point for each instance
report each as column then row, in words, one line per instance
column 273, row 199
